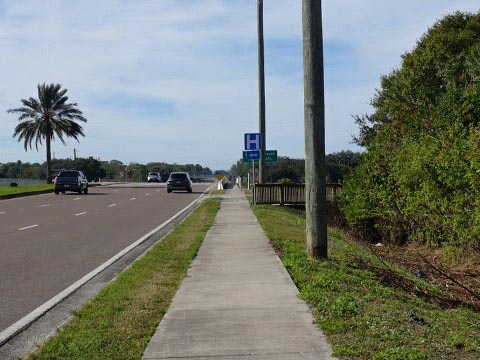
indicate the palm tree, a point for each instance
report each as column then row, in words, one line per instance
column 46, row 117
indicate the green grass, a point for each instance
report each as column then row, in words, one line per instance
column 7, row 190
column 363, row 315
column 119, row 322
column 218, row 192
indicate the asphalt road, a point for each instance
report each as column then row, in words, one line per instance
column 47, row 242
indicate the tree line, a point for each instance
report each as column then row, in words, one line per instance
column 419, row 179
column 338, row 166
column 94, row 169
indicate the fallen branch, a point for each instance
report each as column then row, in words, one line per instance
column 443, row 273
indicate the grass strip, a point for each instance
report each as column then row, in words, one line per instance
column 362, row 315
column 119, row 322
column 6, row 191
column 218, row 192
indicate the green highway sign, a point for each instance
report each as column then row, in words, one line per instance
column 251, row 156
column 254, row 155
column 271, row 156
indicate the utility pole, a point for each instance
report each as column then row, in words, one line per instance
column 315, row 174
column 74, row 154
column 261, row 91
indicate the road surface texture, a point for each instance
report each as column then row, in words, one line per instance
column 49, row 241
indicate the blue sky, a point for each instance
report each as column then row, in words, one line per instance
column 176, row 80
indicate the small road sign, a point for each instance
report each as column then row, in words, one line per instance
column 251, row 156
column 253, row 142
column 271, row 156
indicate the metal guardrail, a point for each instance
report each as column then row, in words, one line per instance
column 291, row 194
column 8, row 181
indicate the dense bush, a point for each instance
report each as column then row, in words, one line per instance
column 420, row 177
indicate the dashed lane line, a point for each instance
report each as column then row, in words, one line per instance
column 27, row 227
column 133, row 199
column 147, row 194
column 2, row 212
column 112, row 205
column 80, row 214
column 76, row 199
column 45, row 205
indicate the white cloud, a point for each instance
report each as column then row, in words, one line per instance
column 198, row 59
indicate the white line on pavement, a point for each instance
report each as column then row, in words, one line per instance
column 157, row 190
column 82, row 213
column 147, row 194
column 133, row 199
column 76, row 199
column 27, row 227
column 112, row 205
column 24, row 322
column 115, row 190
column 2, row 212
column 45, row 205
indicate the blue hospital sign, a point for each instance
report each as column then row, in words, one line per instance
column 253, row 142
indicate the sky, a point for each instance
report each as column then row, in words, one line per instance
column 176, row 80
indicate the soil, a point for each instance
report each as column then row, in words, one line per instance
column 451, row 278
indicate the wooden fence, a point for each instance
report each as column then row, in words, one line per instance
column 288, row 194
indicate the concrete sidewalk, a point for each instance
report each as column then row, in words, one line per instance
column 238, row 301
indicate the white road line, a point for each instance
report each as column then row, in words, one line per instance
column 27, row 227
column 115, row 190
column 147, row 194
column 24, row 322
column 133, row 199
column 2, row 212
column 76, row 199
column 82, row 213
column 45, row 205
column 112, row 205
column 157, row 190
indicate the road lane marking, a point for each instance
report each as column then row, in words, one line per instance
column 45, row 205
column 2, row 212
column 27, row 227
column 76, row 199
column 28, row 319
column 115, row 190
column 112, row 205
column 82, row 213
column 147, row 194
column 133, row 199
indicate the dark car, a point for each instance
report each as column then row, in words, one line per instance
column 71, row 180
column 179, row 181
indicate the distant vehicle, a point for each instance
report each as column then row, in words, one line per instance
column 71, row 180
column 154, row 177
column 179, row 181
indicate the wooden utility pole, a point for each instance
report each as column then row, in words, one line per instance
column 315, row 175
column 261, row 91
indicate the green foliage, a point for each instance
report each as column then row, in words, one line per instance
column 362, row 315
column 95, row 169
column 338, row 166
column 46, row 118
column 420, row 179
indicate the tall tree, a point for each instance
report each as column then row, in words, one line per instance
column 48, row 117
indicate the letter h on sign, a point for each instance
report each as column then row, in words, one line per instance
column 253, row 141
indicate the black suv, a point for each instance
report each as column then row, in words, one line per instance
column 179, row 181
column 71, row 180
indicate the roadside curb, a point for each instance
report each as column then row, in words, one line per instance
column 22, row 324
column 30, row 193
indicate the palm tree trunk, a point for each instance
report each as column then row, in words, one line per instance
column 49, row 161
